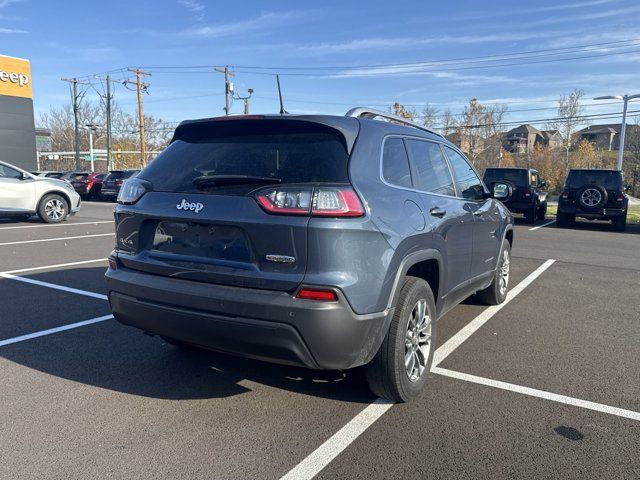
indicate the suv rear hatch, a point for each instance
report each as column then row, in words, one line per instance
column 517, row 177
column 203, row 218
column 610, row 180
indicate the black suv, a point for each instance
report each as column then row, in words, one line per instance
column 594, row 194
column 322, row 241
column 112, row 183
column 528, row 194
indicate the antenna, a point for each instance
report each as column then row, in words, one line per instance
column 282, row 110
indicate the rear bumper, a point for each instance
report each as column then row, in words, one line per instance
column 263, row 324
column 601, row 214
column 519, row 207
column 109, row 192
column 76, row 201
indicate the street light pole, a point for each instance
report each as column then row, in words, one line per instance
column 91, row 129
column 625, row 99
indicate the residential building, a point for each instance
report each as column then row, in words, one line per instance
column 605, row 136
column 524, row 138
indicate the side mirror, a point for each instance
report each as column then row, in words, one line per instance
column 543, row 184
column 25, row 176
column 501, row 191
column 628, row 188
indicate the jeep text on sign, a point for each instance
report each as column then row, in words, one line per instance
column 15, row 77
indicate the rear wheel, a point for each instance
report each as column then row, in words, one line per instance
column 530, row 215
column 620, row 223
column 53, row 209
column 542, row 212
column 399, row 370
column 496, row 293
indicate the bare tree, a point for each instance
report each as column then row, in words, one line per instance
column 448, row 123
column 402, row 111
column 481, row 130
column 430, row 116
column 570, row 111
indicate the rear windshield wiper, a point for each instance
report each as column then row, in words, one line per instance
column 214, row 180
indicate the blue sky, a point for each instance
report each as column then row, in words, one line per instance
column 65, row 39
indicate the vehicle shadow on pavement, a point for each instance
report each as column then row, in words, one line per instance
column 602, row 226
column 115, row 357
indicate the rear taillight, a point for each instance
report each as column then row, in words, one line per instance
column 112, row 263
column 527, row 193
column 317, row 294
column 320, row 201
column 620, row 197
column 565, row 195
column 119, row 182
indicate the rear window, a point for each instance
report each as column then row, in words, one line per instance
column 611, row 180
column 79, row 176
column 512, row 175
column 116, row 174
column 292, row 151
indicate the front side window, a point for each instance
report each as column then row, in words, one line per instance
column 8, row 172
column 395, row 163
column 432, row 173
column 469, row 184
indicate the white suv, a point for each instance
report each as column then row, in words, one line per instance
column 23, row 194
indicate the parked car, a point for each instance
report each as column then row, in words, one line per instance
column 594, row 194
column 23, row 195
column 321, row 241
column 112, row 183
column 88, row 184
column 529, row 195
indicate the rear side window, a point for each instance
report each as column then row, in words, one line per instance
column 534, row 179
column 432, row 173
column 469, row 184
column 611, row 180
column 288, row 151
column 395, row 163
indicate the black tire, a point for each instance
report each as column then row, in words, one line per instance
column 496, row 293
column 620, row 223
column 530, row 215
column 53, row 208
column 387, row 374
column 562, row 220
column 542, row 212
column 586, row 206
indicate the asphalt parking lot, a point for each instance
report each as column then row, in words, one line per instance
column 544, row 386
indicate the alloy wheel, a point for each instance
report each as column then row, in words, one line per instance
column 505, row 267
column 54, row 209
column 417, row 341
column 591, row 197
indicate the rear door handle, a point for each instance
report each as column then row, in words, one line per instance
column 477, row 213
column 437, row 212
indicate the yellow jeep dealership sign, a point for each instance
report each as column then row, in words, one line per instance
column 15, row 77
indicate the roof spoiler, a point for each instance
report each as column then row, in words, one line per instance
column 370, row 113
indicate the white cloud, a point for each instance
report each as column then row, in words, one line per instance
column 12, row 30
column 6, row 3
column 263, row 21
column 192, row 5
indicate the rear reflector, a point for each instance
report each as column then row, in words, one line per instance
column 320, row 295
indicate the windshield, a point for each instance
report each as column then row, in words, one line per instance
column 288, row 152
column 609, row 179
column 513, row 175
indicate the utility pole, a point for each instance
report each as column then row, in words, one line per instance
column 140, row 86
column 76, row 108
column 108, row 96
column 228, row 86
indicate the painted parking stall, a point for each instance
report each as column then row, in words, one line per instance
column 517, row 378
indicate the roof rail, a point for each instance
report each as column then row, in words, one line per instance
column 371, row 113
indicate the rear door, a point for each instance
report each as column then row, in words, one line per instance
column 216, row 231
column 486, row 226
column 450, row 221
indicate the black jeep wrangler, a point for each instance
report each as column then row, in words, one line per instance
column 528, row 197
column 594, row 194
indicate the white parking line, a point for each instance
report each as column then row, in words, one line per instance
column 325, row 453
column 454, row 342
column 59, row 265
column 54, row 286
column 576, row 402
column 65, row 224
column 42, row 333
column 543, row 225
column 57, row 239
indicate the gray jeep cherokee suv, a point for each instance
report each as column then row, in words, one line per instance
column 321, row 241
